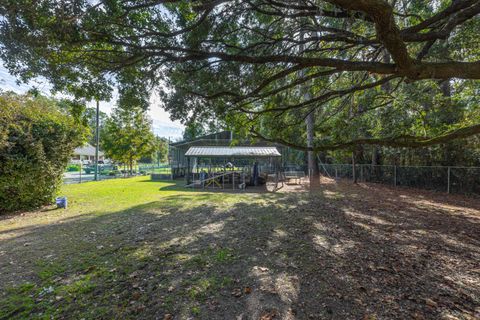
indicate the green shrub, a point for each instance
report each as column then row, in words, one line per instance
column 37, row 139
column 73, row 167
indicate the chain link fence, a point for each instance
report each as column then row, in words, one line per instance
column 80, row 174
column 463, row 180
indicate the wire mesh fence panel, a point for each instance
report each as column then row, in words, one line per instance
column 377, row 174
column 429, row 178
column 337, row 171
column 327, row 170
column 149, row 168
column 107, row 172
column 465, row 180
column 344, row 171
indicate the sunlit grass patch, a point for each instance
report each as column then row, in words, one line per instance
column 200, row 289
column 223, row 255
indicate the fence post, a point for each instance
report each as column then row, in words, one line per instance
column 354, row 175
column 361, row 172
column 336, row 173
column 80, row 171
column 395, row 175
column 448, row 179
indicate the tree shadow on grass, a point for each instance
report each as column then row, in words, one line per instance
column 324, row 255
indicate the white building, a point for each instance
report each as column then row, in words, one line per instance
column 86, row 154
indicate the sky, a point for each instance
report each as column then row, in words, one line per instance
column 162, row 125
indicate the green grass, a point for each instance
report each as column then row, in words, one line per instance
column 137, row 249
column 113, row 195
column 83, row 256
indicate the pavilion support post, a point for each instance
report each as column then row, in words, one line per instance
column 188, row 170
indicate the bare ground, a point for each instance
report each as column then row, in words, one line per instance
column 342, row 252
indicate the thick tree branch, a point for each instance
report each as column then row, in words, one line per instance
column 403, row 141
column 387, row 31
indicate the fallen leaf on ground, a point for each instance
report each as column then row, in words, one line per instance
column 268, row 315
column 237, row 292
column 136, row 295
column 431, row 303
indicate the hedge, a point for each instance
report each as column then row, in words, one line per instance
column 37, row 139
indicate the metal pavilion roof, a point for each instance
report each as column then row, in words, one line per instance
column 232, row 152
column 86, row 150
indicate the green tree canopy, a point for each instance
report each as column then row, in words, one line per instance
column 251, row 62
column 127, row 136
column 89, row 118
column 161, row 155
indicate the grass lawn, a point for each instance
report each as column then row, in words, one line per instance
column 136, row 249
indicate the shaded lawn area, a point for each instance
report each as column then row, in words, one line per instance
column 135, row 249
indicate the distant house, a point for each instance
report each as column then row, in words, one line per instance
column 86, row 154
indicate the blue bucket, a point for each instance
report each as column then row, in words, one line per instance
column 61, row 202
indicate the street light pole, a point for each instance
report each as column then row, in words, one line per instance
column 96, row 141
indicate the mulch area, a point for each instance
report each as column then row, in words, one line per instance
column 369, row 251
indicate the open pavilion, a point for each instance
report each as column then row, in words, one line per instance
column 232, row 167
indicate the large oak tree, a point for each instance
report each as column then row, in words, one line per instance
column 251, row 62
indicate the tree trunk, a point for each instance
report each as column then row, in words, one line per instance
column 375, row 156
column 313, row 172
column 312, row 161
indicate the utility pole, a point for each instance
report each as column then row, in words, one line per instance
column 169, row 159
column 158, row 151
column 96, row 139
